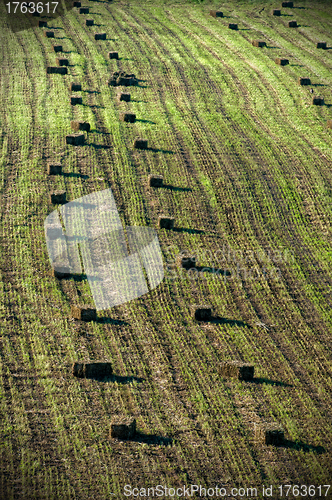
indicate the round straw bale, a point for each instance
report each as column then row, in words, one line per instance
column 75, row 100
column 216, row 13
column 304, row 81
column 76, row 4
column 83, row 312
column 62, row 61
column 233, row 26
column 282, row 62
column 49, row 34
column 84, row 10
column 329, row 123
column 292, row 24
column 276, row 12
column 140, row 144
column 89, row 22
column 124, row 96
column 54, row 168
column 155, row 180
column 75, row 125
column 122, row 427
column 321, row 45
column 269, row 434
column 113, row 55
column 165, row 222
column 57, row 48
column 258, row 43
column 42, row 24
column 318, row 101
column 201, row 312
column 100, row 36
column 128, row 117
column 75, row 87
column 58, row 197
column 75, row 139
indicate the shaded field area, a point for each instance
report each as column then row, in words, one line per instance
column 246, row 163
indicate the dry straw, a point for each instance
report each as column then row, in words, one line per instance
column 236, row 369
column 55, row 69
column 124, row 96
column 201, row 312
column 258, row 43
column 155, row 180
column 269, row 434
column 165, row 222
column 58, row 197
column 75, row 100
column 140, row 144
column 128, row 117
column 100, row 36
column 281, row 62
column 216, row 13
column 75, row 87
column 318, row 101
column 83, row 312
column 122, row 427
column 62, row 61
column 304, row 81
column 76, row 126
column 54, row 168
column 92, row 370
column 75, row 139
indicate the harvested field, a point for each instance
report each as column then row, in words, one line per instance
column 246, row 163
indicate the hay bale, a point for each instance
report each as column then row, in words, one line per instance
column 75, row 139
column 155, row 180
column 124, row 96
column 201, row 312
column 49, row 34
column 91, row 370
column 276, row 12
column 122, row 78
column 128, row 117
column 54, row 232
column 165, row 222
column 75, row 125
column 58, row 197
column 318, row 101
column 61, row 273
column 122, row 427
column 282, row 62
column 289, row 5
column 186, row 261
column 75, row 100
column 329, row 123
column 36, row 14
column 100, row 36
column 57, row 48
column 54, row 168
column 140, row 144
column 77, row 4
column 113, row 55
column 233, row 26
column 62, row 61
column 258, row 43
column 75, row 87
column 89, row 22
column 236, row 369
column 55, row 69
column 84, row 10
column 304, row 81
column 42, row 24
column 269, row 433
column 321, row 45
column 83, row 312
column 292, row 24
column 216, row 13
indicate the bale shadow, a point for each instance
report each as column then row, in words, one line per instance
column 62, row 38
column 243, row 29
column 96, row 106
column 91, row 91
column 136, row 100
column 73, row 174
column 145, row 121
column 260, row 380
column 99, row 146
column 105, row 320
column 270, row 47
column 187, row 230
column 300, row 446
column 156, row 150
column 175, row 188
column 54, row 28
column 302, row 8
column 141, row 86
column 116, row 378
column 213, row 270
column 218, row 320
column 140, row 437
column 318, row 85
column 67, row 51
column 126, row 59
column 298, row 65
